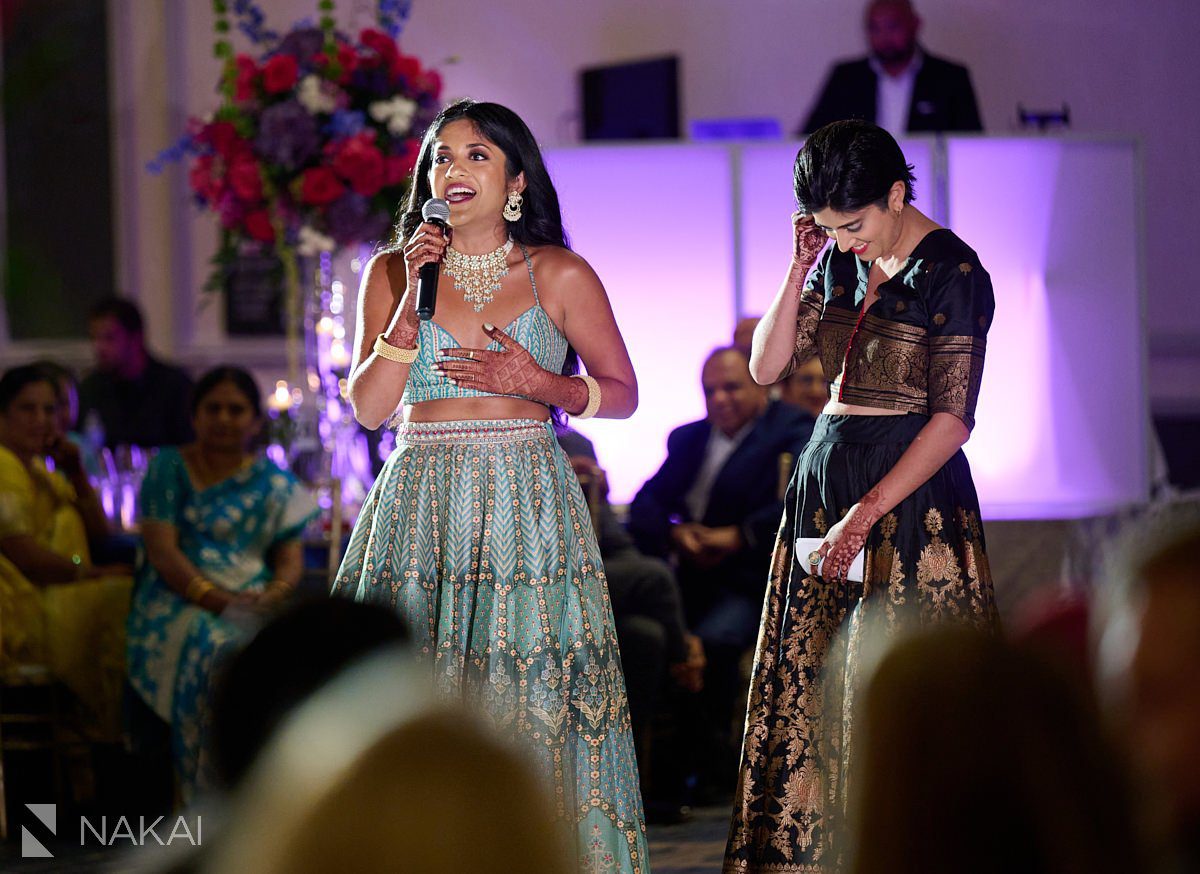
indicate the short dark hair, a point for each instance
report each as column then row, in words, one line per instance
column 15, row 379
column 122, row 310
column 724, row 350
column 58, row 372
column 241, row 380
column 849, row 165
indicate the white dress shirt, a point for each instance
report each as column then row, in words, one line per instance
column 716, row 453
column 893, row 96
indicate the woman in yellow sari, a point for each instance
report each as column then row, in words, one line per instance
column 57, row 609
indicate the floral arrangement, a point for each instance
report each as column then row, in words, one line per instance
column 315, row 137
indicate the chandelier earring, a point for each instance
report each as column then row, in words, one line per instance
column 512, row 209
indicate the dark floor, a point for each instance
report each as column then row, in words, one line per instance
column 693, row 847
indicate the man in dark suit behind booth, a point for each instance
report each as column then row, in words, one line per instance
column 714, row 508
column 899, row 86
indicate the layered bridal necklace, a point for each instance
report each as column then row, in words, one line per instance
column 477, row 276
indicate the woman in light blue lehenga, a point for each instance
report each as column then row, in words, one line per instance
column 222, row 529
column 476, row 530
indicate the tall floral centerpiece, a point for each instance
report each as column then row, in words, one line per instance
column 312, row 143
column 308, row 153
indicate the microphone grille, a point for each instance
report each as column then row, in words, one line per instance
column 436, row 209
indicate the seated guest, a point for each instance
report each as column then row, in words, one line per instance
column 743, row 333
column 900, row 87
column 806, row 388
column 67, row 389
column 139, row 400
column 714, row 507
column 57, row 609
column 645, row 599
column 222, row 529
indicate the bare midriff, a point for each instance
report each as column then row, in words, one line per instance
column 463, row 409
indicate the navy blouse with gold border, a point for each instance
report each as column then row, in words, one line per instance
column 920, row 347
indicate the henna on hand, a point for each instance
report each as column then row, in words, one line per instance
column 808, row 240
column 511, row 371
column 847, row 538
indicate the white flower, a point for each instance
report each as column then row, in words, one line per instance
column 313, row 242
column 313, row 96
column 396, row 113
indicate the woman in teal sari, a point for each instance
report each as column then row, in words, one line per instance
column 222, row 532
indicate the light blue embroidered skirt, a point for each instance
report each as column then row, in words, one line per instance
column 478, row 534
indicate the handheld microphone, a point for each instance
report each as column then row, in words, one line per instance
column 437, row 212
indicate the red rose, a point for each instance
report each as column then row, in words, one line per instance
column 202, row 179
column 406, row 67
column 258, row 226
column 359, row 162
column 247, row 77
column 381, row 44
column 397, row 167
column 319, row 186
column 347, row 59
column 222, row 136
column 430, row 83
column 245, row 178
column 280, row 73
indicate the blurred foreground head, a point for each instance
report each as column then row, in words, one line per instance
column 375, row 774
column 978, row 756
column 1150, row 653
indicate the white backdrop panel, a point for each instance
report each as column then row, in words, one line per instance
column 1062, row 415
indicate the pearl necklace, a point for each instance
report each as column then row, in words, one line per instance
column 477, row 276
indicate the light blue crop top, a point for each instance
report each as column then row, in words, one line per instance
column 533, row 329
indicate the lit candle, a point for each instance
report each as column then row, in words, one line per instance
column 281, row 398
column 339, row 356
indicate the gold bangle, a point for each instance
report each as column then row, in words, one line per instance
column 384, row 349
column 197, row 588
column 593, row 404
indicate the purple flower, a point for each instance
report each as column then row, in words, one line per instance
column 287, row 135
column 393, row 14
column 350, row 219
column 304, row 44
column 230, row 209
column 344, row 123
column 376, row 80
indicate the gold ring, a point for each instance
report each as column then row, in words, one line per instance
column 815, row 557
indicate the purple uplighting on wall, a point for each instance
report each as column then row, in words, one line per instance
column 1063, row 421
column 655, row 222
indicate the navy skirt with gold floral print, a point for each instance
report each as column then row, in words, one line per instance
column 925, row 562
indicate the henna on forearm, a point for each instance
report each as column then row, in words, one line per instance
column 566, row 393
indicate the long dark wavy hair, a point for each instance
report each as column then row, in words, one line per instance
column 541, row 218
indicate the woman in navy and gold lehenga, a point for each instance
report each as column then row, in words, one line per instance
column 898, row 312
column 476, row 530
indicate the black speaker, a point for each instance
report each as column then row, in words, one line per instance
column 634, row 101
